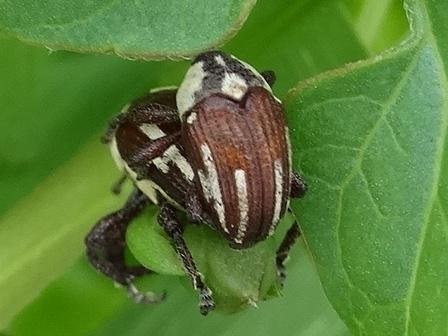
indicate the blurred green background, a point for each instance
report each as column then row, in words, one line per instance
column 55, row 177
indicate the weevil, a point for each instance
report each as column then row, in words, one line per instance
column 216, row 148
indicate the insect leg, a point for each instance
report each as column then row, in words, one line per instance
column 298, row 190
column 152, row 113
column 113, row 125
column 283, row 251
column 153, row 108
column 298, row 186
column 117, row 186
column 106, row 245
column 174, row 228
column 194, row 208
column 140, row 157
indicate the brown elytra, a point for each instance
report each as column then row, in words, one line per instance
column 239, row 150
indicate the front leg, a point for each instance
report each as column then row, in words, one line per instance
column 139, row 157
column 174, row 229
column 298, row 190
column 269, row 76
column 106, row 244
column 156, row 108
column 118, row 185
column 298, row 186
column 283, row 251
column 194, row 207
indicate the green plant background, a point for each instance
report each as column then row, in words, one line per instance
column 55, row 177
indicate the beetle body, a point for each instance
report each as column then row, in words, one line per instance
column 166, row 171
column 236, row 140
column 216, row 148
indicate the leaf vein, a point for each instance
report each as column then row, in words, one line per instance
column 341, row 100
column 437, row 176
column 370, row 194
column 387, row 107
column 394, row 136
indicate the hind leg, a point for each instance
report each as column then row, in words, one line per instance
column 106, row 244
column 174, row 229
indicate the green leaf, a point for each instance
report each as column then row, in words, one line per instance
column 88, row 301
column 378, row 24
column 302, row 39
column 237, row 278
column 371, row 141
column 44, row 233
column 148, row 29
column 151, row 247
column 54, row 103
column 51, row 197
column 90, row 308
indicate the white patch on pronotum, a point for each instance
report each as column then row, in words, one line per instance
column 192, row 117
column 192, row 83
column 210, row 185
column 234, row 85
column 163, row 88
column 220, row 60
column 278, row 178
column 125, row 108
column 243, row 203
column 255, row 72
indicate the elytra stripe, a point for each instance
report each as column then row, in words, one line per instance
column 278, row 171
column 210, row 185
column 243, row 204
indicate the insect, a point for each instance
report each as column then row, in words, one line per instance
column 216, row 148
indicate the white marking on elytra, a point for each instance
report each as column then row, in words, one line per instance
column 172, row 154
column 220, row 60
column 243, row 203
column 278, row 178
column 147, row 186
column 180, row 161
column 288, row 144
column 152, row 131
column 210, row 185
column 192, row 83
column 192, row 117
column 116, row 154
column 234, row 85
